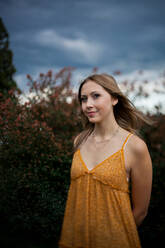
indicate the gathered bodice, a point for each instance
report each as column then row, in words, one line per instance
column 110, row 171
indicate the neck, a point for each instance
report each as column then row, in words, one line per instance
column 104, row 130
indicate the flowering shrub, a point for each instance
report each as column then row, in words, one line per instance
column 35, row 153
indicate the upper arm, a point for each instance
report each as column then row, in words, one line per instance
column 141, row 175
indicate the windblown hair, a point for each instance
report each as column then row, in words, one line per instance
column 126, row 114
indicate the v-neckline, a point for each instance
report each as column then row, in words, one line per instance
column 97, row 165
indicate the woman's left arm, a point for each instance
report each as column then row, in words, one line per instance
column 141, row 178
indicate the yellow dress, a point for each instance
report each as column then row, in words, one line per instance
column 98, row 211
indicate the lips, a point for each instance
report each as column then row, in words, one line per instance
column 91, row 113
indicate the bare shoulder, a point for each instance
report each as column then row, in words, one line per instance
column 137, row 145
column 138, row 153
column 76, row 138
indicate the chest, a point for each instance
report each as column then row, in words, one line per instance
column 93, row 156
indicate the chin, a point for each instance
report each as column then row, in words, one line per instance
column 93, row 120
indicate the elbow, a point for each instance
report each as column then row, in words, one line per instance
column 139, row 216
column 144, row 214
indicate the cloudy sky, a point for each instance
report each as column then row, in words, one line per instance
column 125, row 35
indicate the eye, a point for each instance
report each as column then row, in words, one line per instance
column 96, row 95
column 83, row 99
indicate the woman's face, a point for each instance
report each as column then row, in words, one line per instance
column 97, row 103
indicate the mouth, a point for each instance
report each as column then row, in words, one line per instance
column 91, row 113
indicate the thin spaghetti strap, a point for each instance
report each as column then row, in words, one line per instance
column 130, row 134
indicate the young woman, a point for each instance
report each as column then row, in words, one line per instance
column 109, row 157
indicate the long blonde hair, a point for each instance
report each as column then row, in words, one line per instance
column 126, row 114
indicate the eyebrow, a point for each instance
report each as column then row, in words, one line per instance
column 90, row 93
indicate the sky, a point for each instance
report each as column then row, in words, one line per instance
column 112, row 35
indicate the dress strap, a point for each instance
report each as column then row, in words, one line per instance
column 130, row 134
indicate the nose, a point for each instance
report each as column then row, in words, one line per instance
column 89, row 103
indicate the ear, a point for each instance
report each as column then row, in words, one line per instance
column 114, row 101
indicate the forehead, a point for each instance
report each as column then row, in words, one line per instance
column 90, row 86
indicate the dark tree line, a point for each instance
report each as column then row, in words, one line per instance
column 7, row 68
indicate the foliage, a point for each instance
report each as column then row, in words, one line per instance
column 35, row 154
column 7, row 69
column 153, row 227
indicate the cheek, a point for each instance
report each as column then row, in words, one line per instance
column 82, row 107
column 105, row 107
column 105, row 104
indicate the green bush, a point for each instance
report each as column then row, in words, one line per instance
column 152, row 229
column 35, row 157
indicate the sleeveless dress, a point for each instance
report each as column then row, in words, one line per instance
column 98, row 210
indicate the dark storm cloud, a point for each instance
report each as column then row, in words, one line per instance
column 125, row 35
